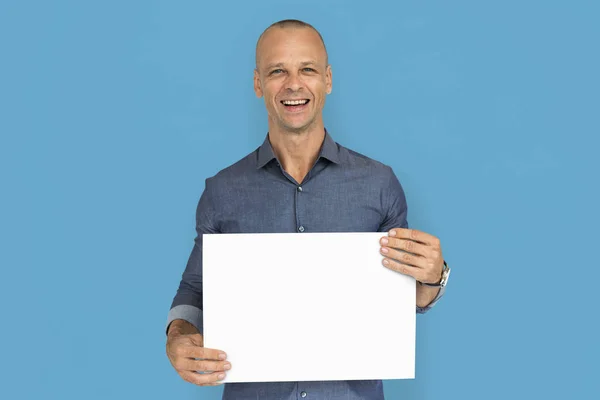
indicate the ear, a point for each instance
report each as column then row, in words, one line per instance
column 257, row 88
column 328, row 79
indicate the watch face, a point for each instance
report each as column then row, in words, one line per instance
column 445, row 276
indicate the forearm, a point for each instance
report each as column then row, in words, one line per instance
column 187, row 303
column 425, row 294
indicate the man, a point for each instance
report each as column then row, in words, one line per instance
column 299, row 180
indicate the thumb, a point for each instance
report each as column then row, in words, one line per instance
column 197, row 339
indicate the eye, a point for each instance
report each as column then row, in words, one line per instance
column 308, row 69
column 276, row 71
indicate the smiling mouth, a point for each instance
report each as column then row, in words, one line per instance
column 295, row 103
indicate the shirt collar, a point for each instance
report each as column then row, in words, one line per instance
column 329, row 150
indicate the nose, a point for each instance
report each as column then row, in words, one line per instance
column 293, row 82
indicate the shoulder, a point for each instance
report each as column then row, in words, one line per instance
column 357, row 161
column 241, row 171
column 376, row 173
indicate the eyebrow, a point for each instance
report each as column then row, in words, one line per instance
column 279, row 65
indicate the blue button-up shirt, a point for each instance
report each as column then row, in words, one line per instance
column 343, row 192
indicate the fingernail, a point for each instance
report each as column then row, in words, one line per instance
column 221, row 376
column 384, row 250
column 386, row 262
column 384, row 241
column 222, row 356
column 392, row 233
column 227, row 366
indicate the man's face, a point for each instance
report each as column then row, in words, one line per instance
column 293, row 76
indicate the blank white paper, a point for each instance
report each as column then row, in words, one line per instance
column 307, row 307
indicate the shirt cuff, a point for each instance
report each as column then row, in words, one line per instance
column 423, row 310
column 191, row 314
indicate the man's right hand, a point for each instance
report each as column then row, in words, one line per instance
column 192, row 361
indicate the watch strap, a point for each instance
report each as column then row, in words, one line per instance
column 443, row 278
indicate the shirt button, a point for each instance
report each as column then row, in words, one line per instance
column 299, row 188
column 301, row 229
column 303, row 394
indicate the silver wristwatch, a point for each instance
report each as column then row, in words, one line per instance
column 444, row 280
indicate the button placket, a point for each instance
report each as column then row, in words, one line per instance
column 300, row 227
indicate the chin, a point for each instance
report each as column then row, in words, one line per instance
column 298, row 125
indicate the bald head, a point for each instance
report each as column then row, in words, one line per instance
column 291, row 65
column 287, row 24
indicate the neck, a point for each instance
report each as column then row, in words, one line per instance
column 297, row 151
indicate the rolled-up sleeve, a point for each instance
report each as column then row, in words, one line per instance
column 394, row 200
column 187, row 303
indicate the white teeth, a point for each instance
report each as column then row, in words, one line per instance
column 294, row 102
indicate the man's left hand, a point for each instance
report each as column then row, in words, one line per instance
column 412, row 252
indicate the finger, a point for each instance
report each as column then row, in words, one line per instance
column 203, row 365
column 202, row 353
column 405, row 258
column 406, row 245
column 414, row 235
column 203, row 379
column 403, row 268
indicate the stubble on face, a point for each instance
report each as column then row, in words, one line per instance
column 293, row 76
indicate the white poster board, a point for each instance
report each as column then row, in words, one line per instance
column 307, row 307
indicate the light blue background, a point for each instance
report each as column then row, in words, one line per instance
column 113, row 113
